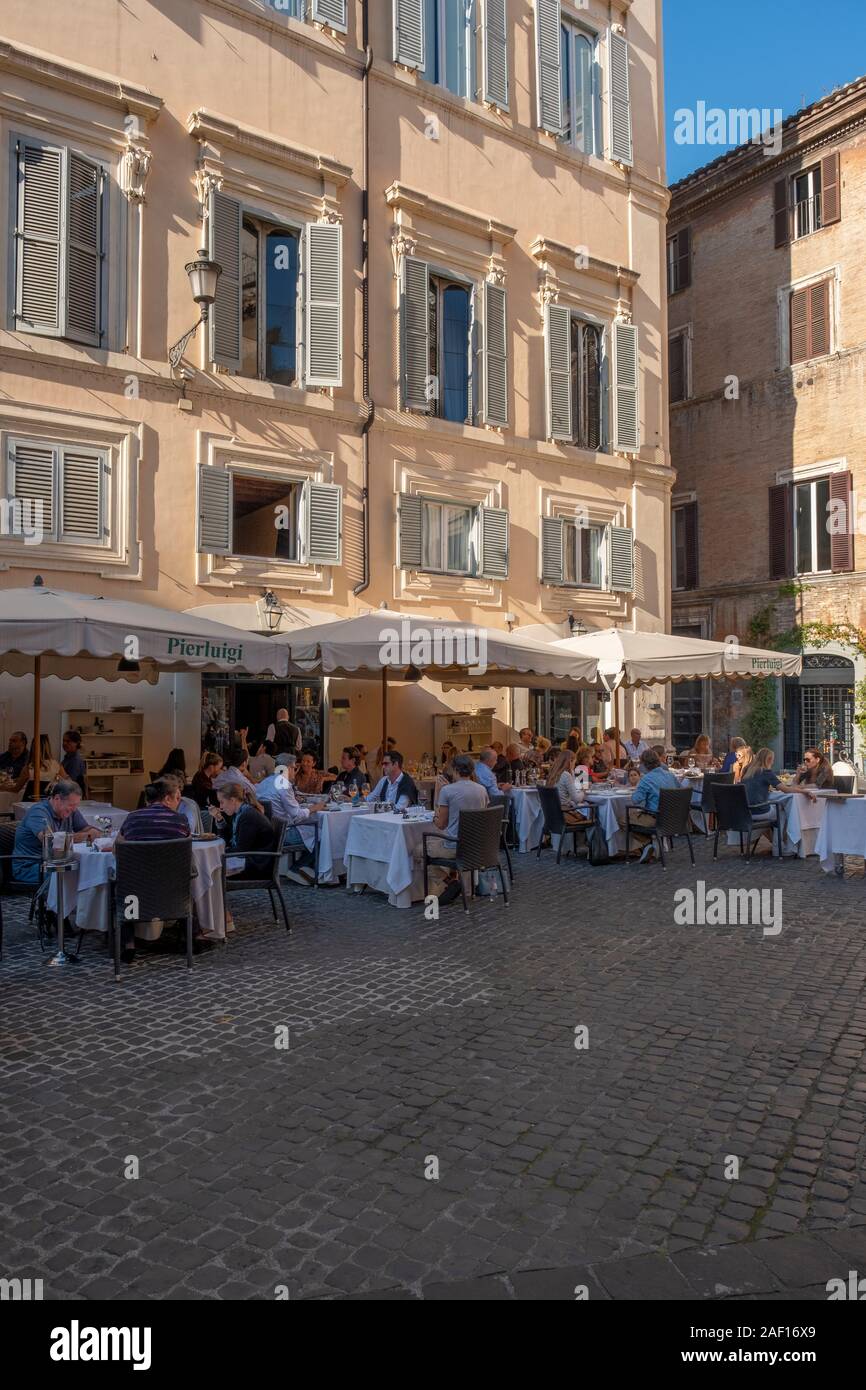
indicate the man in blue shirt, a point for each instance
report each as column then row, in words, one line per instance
column 644, row 808
column 57, row 812
column 279, row 791
column 485, row 775
column 72, row 762
column 13, row 761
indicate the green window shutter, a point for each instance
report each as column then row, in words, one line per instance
column 547, row 27
column 38, row 238
column 620, row 100
column 31, row 480
column 84, row 251
column 214, row 511
column 409, row 33
column 330, row 12
column 494, row 39
column 324, row 524
column 552, row 550
column 323, row 310
column 409, row 531
column 620, row 559
column 415, row 323
column 495, row 356
column 82, row 473
column 626, row 437
column 224, row 246
column 493, row 547
column 558, row 353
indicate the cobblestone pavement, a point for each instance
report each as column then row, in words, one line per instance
column 410, row 1041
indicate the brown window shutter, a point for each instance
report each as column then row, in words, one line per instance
column 684, row 258
column 819, row 319
column 831, row 200
column 690, row 578
column 782, row 212
column 842, row 544
column 799, row 325
column 677, row 368
column 781, row 531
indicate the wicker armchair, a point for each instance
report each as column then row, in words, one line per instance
column 157, row 875
column 478, row 844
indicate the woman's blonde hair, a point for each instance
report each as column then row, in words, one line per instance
column 759, row 762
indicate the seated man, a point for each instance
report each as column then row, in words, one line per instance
column 14, row 760
column 59, row 811
column 279, row 792
column 161, row 818
column 645, row 798
column 350, row 778
column 464, row 794
column 394, row 786
column 244, row 829
column 485, row 774
column 72, row 762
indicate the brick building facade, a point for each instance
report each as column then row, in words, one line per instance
column 767, row 353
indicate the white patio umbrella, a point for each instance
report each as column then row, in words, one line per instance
column 50, row 632
column 410, row 645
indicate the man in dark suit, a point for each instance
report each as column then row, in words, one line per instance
column 394, row 786
column 287, row 736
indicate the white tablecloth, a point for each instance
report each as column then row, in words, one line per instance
column 802, row 819
column 333, row 833
column 843, row 831
column 384, row 852
column 528, row 817
column 610, row 811
column 7, row 802
column 86, row 893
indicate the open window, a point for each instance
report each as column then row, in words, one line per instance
column 252, row 514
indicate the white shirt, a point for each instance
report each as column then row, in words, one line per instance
column 278, row 790
column 233, row 774
column 634, row 750
column 386, row 791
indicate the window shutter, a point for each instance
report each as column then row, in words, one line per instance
column 495, row 357
column 625, row 375
column 547, row 26
column 323, row 318
column 819, row 319
column 781, row 531
column 416, row 333
column 37, row 235
column 330, row 12
column 84, row 219
column 32, row 480
column 324, row 529
column 831, row 201
column 558, row 352
column 81, row 495
column 494, row 543
column 552, row 550
column 799, row 325
column 842, row 544
column 214, row 511
column 620, row 559
column 409, row 531
column 409, row 33
column 620, row 100
column 690, row 523
column 677, row 368
column 684, row 258
column 224, row 246
column 494, row 37
column 782, row 211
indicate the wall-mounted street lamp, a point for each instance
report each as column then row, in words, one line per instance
column 271, row 612
column 203, row 276
column 575, row 626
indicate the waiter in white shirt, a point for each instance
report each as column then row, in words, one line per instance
column 635, row 745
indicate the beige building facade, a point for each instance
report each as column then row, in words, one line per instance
column 767, row 345
column 435, row 373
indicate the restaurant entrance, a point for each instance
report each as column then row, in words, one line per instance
column 555, row 712
column 229, row 703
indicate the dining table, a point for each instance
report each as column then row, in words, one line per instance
column 842, row 832
column 528, row 817
column 384, row 851
column 333, row 825
column 87, row 895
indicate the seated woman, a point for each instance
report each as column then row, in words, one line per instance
column 175, row 763
column 308, row 781
column 203, row 789
column 571, row 796
column 446, row 775
column 633, row 775
column 50, row 771
column 702, row 752
column 448, row 751
column 612, row 750
column 815, row 772
column 743, row 762
column 244, row 829
column 759, row 780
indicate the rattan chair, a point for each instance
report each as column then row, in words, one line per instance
column 500, row 799
column 673, row 822
column 556, row 824
column 270, row 882
column 733, row 812
column 708, row 800
column 478, row 845
column 154, row 876
column 10, row 887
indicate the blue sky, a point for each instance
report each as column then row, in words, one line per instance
column 755, row 53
